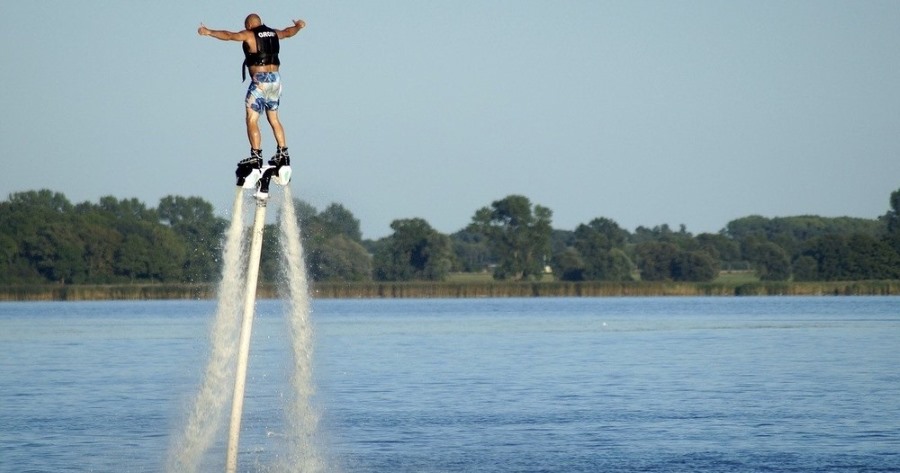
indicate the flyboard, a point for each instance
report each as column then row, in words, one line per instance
column 250, row 178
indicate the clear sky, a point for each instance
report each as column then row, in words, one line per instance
column 646, row 112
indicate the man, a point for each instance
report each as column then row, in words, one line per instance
column 261, row 47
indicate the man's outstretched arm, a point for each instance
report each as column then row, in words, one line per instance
column 222, row 34
column 291, row 30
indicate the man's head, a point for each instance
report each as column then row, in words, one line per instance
column 252, row 21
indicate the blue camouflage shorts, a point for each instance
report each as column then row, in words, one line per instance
column 264, row 92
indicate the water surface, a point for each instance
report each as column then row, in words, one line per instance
column 488, row 385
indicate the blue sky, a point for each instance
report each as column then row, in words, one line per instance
column 646, row 112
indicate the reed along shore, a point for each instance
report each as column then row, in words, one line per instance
column 421, row 289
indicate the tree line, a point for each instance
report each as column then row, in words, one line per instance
column 44, row 238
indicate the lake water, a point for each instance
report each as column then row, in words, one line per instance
column 489, row 385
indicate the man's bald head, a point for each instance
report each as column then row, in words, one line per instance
column 252, row 21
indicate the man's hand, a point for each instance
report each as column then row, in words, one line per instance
column 224, row 35
column 291, row 30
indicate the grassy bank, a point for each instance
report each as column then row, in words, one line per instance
column 469, row 289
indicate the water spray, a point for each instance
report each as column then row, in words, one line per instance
column 230, row 351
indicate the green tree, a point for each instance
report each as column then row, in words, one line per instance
column 661, row 261
column 307, row 219
column 771, row 262
column 892, row 222
column 791, row 232
column 43, row 201
column 518, row 235
column 343, row 259
column 47, row 247
column 892, row 217
column 100, row 245
column 599, row 245
column 871, row 258
column 337, row 220
column 8, row 252
column 857, row 257
column 150, row 253
column 694, row 266
column 471, row 251
column 413, row 251
column 56, row 251
column 332, row 243
column 612, row 234
column 655, row 259
column 127, row 210
column 805, row 268
column 94, row 243
column 194, row 221
column 568, row 265
column 147, row 250
column 663, row 233
column 186, row 211
column 618, row 266
column 723, row 249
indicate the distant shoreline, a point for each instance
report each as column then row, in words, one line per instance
column 422, row 290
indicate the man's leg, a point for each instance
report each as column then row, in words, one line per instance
column 277, row 129
column 253, row 129
column 247, row 166
column 281, row 157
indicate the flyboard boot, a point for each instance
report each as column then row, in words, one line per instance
column 278, row 170
column 249, row 170
column 262, row 185
column 282, row 163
